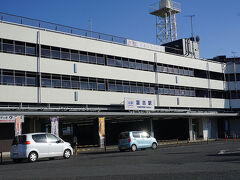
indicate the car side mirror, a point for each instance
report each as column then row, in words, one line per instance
column 58, row 141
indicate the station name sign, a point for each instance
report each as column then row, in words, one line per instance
column 145, row 45
column 139, row 104
column 10, row 118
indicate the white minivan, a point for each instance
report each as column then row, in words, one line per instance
column 39, row 145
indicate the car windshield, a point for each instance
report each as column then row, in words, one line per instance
column 124, row 135
column 19, row 140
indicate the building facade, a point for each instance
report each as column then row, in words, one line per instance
column 79, row 76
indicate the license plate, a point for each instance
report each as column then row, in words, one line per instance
column 123, row 147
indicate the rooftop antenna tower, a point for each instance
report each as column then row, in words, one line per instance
column 166, row 26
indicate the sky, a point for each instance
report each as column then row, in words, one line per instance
column 216, row 22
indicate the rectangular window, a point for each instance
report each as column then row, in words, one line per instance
column 166, row 90
column 125, row 63
column 152, row 89
column 132, row 64
column 31, row 79
column 139, row 65
column 56, row 83
column 19, row 47
column 74, row 55
column 46, row 80
column 101, row 86
column 126, row 88
column 110, row 61
column 83, row 57
column 186, row 72
column 177, row 92
column 171, row 91
column 84, row 85
column 118, row 62
column 159, row 68
column 191, row 72
column 100, row 59
column 75, row 84
column 92, row 84
column 165, row 68
column 8, row 79
column 45, row 51
column 31, row 49
column 133, row 88
column 175, row 70
column 180, row 70
column 65, row 54
column 92, row 58
column 139, row 89
column 170, row 70
column 161, row 90
column 55, row 53
column 151, row 67
column 8, row 46
column 146, row 89
column 111, row 86
column 145, row 66
column 119, row 87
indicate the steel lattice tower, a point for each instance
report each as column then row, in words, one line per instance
column 166, row 26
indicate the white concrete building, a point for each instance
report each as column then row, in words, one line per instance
column 52, row 70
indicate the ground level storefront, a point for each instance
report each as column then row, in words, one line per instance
column 85, row 128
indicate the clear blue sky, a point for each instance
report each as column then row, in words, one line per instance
column 217, row 22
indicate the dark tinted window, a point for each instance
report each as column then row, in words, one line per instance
column 19, row 140
column 39, row 138
column 124, row 135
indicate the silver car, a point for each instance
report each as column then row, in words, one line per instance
column 39, row 145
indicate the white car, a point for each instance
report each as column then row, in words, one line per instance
column 39, row 145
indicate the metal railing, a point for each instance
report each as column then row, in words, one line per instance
column 60, row 28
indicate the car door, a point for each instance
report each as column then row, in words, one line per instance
column 40, row 144
column 146, row 139
column 137, row 139
column 55, row 145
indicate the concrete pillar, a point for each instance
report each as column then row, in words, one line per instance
column 191, row 137
column 206, row 122
column 151, row 128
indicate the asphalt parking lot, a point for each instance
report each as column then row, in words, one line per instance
column 189, row 161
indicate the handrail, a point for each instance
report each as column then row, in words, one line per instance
column 61, row 28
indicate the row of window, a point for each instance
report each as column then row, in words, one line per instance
column 233, row 77
column 17, row 47
column 20, row 78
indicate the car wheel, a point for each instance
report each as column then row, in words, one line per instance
column 133, row 148
column 67, row 154
column 154, row 146
column 32, row 157
column 17, row 160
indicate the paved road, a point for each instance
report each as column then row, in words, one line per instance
column 198, row 161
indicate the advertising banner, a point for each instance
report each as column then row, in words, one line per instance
column 18, row 126
column 10, row 118
column 101, row 122
column 54, row 125
column 139, row 104
column 101, row 131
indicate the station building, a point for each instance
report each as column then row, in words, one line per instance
column 50, row 70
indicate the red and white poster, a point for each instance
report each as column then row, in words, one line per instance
column 18, row 126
